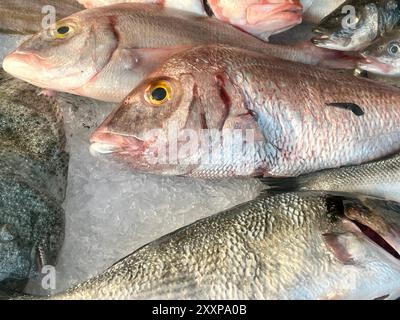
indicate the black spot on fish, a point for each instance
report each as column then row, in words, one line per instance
column 356, row 109
column 207, row 8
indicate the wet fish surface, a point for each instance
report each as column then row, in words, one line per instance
column 378, row 179
column 316, row 10
column 280, row 246
column 26, row 16
column 33, row 176
column 103, row 53
column 302, row 119
column 355, row 29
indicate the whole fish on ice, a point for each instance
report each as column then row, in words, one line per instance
column 283, row 246
column 103, row 53
column 292, row 118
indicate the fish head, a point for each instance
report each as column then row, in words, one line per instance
column 365, row 241
column 170, row 114
column 65, row 56
column 383, row 56
column 349, row 27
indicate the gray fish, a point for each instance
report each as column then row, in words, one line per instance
column 378, row 179
column 383, row 56
column 25, row 16
column 356, row 24
column 282, row 246
column 33, row 174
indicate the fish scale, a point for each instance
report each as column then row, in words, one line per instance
column 242, row 253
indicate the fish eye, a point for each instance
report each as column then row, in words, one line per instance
column 158, row 93
column 394, row 49
column 64, row 30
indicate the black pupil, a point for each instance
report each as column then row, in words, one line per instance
column 63, row 30
column 159, row 94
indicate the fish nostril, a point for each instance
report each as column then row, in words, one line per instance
column 5, row 234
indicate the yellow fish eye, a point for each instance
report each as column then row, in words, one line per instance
column 64, row 30
column 158, row 93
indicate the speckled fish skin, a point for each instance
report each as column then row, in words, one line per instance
column 378, row 179
column 316, row 10
column 111, row 49
column 25, row 16
column 33, row 176
column 373, row 19
column 275, row 247
column 288, row 105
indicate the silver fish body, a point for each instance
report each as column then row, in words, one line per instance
column 316, row 10
column 283, row 246
column 378, row 179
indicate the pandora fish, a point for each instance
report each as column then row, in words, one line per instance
column 292, row 118
column 103, row 53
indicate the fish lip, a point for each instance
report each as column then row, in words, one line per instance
column 18, row 63
column 368, row 61
column 108, row 143
column 372, row 234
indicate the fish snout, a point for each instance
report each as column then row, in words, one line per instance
column 104, row 142
column 24, row 65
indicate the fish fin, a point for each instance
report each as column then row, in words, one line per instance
column 281, row 184
column 356, row 109
column 337, row 243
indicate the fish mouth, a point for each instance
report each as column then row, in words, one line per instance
column 25, row 65
column 373, row 65
column 108, row 143
column 325, row 39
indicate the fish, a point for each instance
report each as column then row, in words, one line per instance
column 261, row 18
column 270, row 118
column 316, row 10
column 377, row 179
column 356, row 24
column 383, row 56
column 280, row 246
column 33, row 179
column 103, row 53
column 26, row 17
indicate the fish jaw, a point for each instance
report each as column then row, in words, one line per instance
column 26, row 66
column 260, row 18
column 371, row 64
